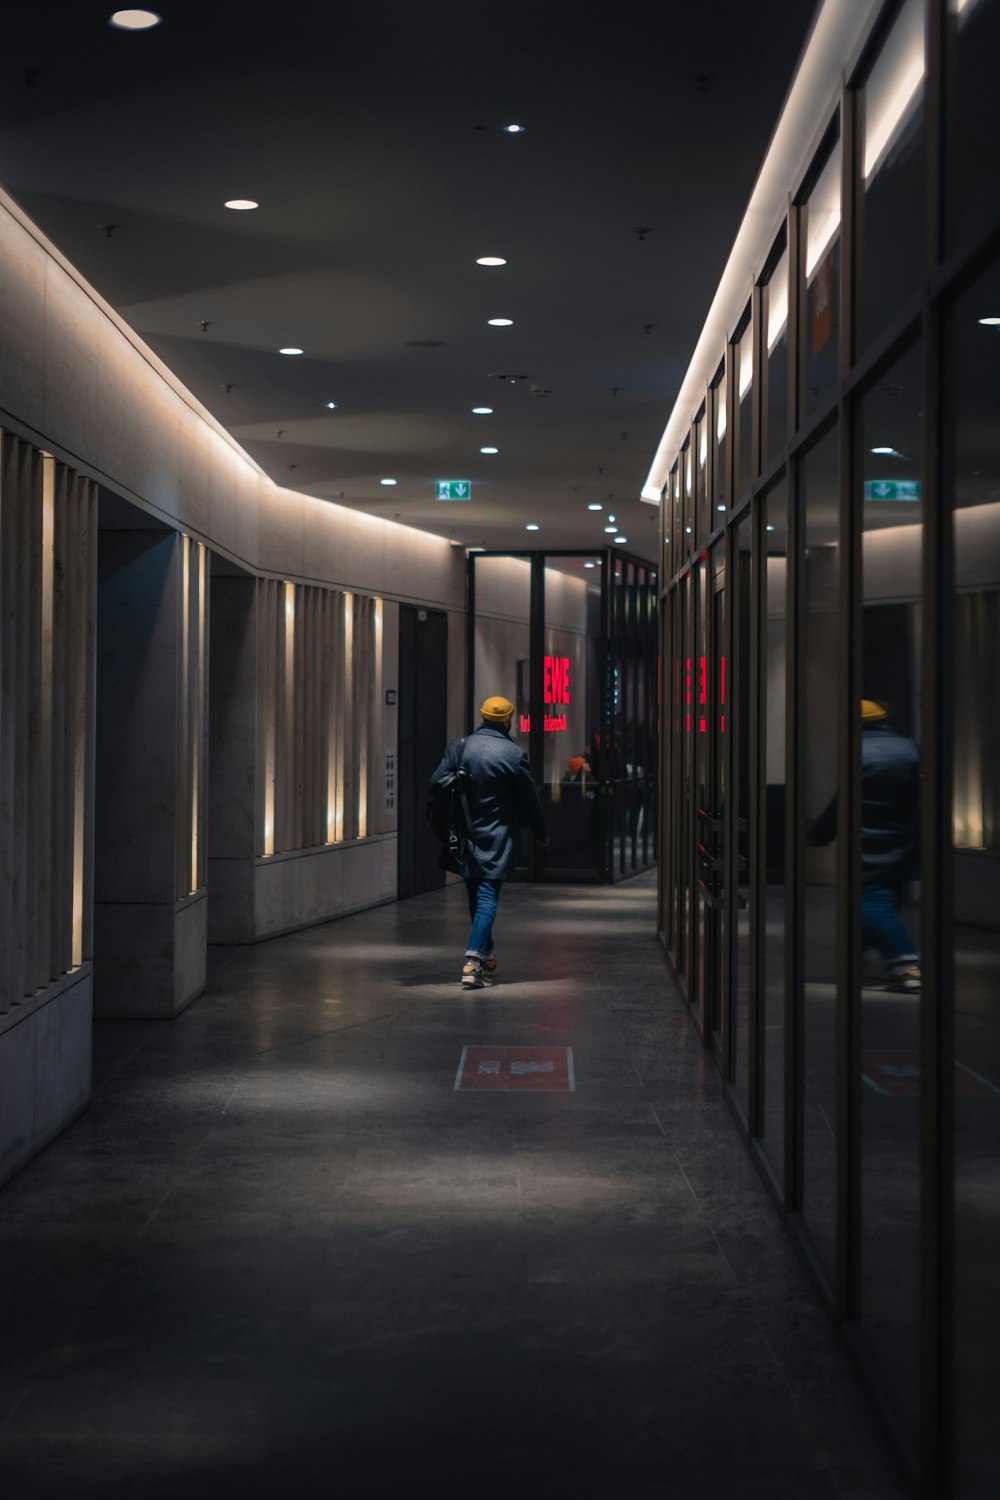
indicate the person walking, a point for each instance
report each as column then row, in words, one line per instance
column 890, row 798
column 501, row 796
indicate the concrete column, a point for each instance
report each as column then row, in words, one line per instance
column 150, row 916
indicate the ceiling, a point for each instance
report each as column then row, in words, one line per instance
column 372, row 139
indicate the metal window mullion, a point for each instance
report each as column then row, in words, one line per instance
column 794, row 953
column 795, row 697
column 536, row 734
column 848, row 1011
column 938, row 1437
column 730, row 813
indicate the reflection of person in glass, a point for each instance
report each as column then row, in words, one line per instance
column 890, row 793
column 502, row 796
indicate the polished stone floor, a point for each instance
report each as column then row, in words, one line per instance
column 283, row 1254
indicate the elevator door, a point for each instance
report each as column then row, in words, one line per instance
column 422, row 720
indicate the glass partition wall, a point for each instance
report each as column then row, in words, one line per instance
column 830, row 605
column 572, row 640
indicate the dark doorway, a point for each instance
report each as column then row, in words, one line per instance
column 422, row 704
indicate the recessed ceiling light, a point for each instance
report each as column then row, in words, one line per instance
column 610, row 518
column 688, row 530
column 134, row 20
column 770, row 528
column 500, row 322
column 595, row 505
column 590, row 565
column 241, row 204
column 489, row 450
column 620, row 541
column 331, row 406
column 513, row 130
column 990, row 322
column 610, row 529
column 491, row 260
column 387, row 481
column 887, row 452
column 482, row 411
column 531, row 526
column 720, row 507
column 291, row 351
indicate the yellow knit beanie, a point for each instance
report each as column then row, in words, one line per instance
column 497, row 710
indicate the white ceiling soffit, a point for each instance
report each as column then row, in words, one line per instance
column 837, row 26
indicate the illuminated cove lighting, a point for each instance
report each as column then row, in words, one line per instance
column 891, row 92
column 823, row 214
column 777, row 302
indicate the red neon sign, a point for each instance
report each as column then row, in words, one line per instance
column 555, row 689
column 555, row 683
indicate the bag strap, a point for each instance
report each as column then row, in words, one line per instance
column 466, row 814
column 462, row 797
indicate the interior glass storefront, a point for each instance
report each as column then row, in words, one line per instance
column 830, row 888
column 577, row 635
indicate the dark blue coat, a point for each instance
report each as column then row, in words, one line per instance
column 890, row 790
column 502, row 797
column 890, row 793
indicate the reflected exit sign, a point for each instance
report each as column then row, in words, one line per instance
column 892, row 489
column 454, row 489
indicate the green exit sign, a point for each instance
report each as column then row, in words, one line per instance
column 892, row 489
column 454, row 489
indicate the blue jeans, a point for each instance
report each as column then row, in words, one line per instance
column 881, row 927
column 483, row 898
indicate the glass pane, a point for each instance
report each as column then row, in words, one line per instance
column 739, row 698
column 688, row 501
column 703, row 785
column 889, row 894
column 701, row 480
column 820, row 501
column 571, row 708
column 893, row 173
column 776, row 322
column 503, row 638
column 675, row 826
column 744, row 394
column 720, row 480
column 973, row 178
column 976, row 824
column 684, row 814
column 773, row 651
column 821, row 327
column 677, row 530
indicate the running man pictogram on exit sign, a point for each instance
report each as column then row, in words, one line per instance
column 454, row 489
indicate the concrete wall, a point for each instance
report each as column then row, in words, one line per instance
column 78, row 384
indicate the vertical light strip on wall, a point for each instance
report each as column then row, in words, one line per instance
column 286, row 763
column 182, row 842
column 331, row 640
column 267, row 595
column 362, row 713
column 346, row 709
column 45, row 718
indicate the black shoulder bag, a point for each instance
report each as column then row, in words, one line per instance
column 448, row 812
